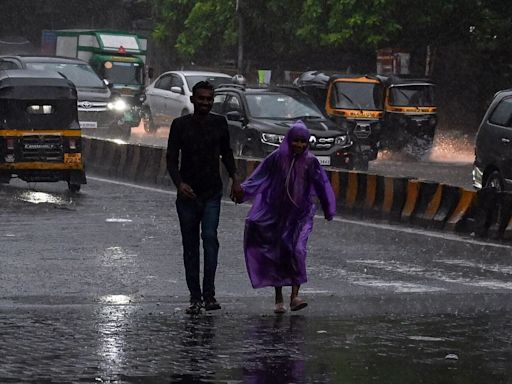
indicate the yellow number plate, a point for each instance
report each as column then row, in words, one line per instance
column 72, row 158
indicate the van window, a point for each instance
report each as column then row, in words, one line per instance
column 502, row 114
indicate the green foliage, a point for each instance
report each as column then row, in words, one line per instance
column 275, row 29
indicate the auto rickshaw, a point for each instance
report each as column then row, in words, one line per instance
column 354, row 102
column 410, row 115
column 40, row 137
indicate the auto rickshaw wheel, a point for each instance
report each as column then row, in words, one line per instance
column 418, row 147
column 74, row 188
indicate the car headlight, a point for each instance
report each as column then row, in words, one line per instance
column 118, row 105
column 272, row 138
column 341, row 140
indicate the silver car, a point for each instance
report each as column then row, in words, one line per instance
column 168, row 96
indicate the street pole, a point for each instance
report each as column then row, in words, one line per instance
column 240, row 59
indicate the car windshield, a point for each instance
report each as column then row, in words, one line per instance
column 421, row 95
column 214, row 80
column 82, row 75
column 357, row 95
column 123, row 73
column 282, row 106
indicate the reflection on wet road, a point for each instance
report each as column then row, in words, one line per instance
column 131, row 344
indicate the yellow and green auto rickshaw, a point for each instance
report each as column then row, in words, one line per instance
column 40, row 138
column 354, row 102
column 410, row 115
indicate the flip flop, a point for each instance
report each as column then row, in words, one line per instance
column 280, row 308
column 297, row 304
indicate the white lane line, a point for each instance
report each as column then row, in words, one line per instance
column 417, row 231
column 389, row 227
column 434, row 274
column 505, row 269
column 371, row 281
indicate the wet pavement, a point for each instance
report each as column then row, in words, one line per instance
column 92, row 290
column 131, row 343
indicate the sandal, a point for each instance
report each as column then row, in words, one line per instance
column 297, row 303
column 280, row 308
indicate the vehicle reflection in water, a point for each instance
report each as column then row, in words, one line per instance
column 197, row 351
column 278, row 355
column 41, row 197
column 114, row 322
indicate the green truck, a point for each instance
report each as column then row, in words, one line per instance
column 119, row 58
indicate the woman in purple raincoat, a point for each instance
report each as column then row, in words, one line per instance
column 277, row 227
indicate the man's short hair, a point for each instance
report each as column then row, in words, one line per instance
column 202, row 85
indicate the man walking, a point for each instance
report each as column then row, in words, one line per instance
column 201, row 139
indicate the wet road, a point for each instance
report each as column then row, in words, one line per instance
column 92, row 290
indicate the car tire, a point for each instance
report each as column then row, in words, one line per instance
column 495, row 181
column 360, row 164
column 147, row 121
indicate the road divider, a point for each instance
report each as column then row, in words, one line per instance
column 401, row 200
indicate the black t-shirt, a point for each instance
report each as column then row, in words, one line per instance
column 202, row 144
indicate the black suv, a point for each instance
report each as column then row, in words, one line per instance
column 259, row 117
column 493, row 146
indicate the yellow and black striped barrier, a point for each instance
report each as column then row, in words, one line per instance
column 400, row 200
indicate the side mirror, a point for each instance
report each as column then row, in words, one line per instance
column 234, row 116
column 177, row 90
column 108, row 83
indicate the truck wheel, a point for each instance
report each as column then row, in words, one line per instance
column 148, row 122
column 125, row 132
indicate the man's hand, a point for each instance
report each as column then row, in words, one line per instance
column 186, row 191
column 237, row 193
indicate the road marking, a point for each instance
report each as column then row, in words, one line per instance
column 395, row 228
column 418, row 231
column 433, row 273
column 505, row 269
column 372, row 281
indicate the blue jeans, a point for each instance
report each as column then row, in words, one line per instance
column 194, row 215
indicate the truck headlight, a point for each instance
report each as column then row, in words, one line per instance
column 118, row 105
column 341, row 140
column 272, row 138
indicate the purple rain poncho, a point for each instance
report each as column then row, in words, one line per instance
column 278, row 225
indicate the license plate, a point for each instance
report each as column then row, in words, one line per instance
column 72, row 158
column 324, row 160
column 88, row 124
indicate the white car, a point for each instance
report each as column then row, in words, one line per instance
column 168, row 96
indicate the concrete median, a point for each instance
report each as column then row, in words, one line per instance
column 406, row 201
